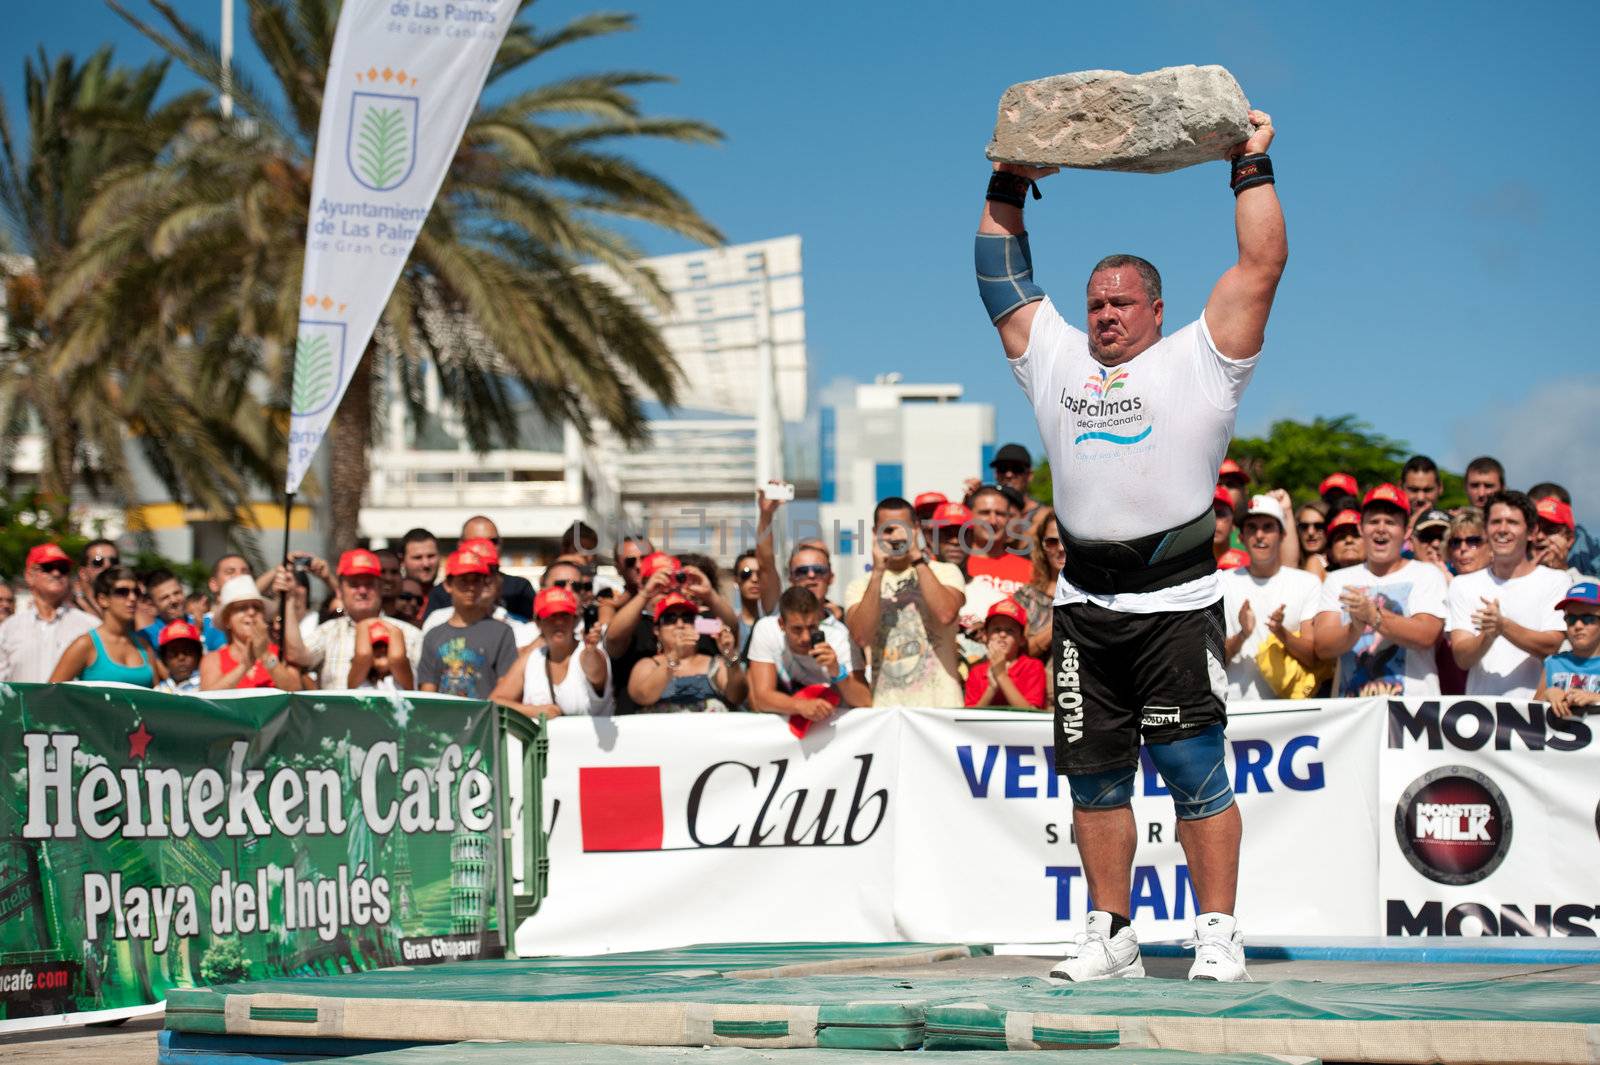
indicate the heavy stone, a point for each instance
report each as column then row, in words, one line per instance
column 1109, row 120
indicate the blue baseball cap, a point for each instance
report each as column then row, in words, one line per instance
column 1582, row 594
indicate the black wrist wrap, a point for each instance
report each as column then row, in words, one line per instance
column 1250, row 171
column 1009, row 188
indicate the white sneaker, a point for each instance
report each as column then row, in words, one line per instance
column 1218, row 949
column 1098, row 956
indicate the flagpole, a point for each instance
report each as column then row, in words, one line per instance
column 283, row 604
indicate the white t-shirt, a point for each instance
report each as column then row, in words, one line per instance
column 1387, row 668
column 573, row 692
column 1293, row 589
column 768, row 644
column 1530, row 600
column 1134, row 449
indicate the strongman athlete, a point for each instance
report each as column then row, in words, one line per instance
column 1136, row 424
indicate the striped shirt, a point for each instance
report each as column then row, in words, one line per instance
column 332, row 647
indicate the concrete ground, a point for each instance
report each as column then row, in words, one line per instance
column 134, row 1042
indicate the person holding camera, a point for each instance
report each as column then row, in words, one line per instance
column 564, row 673
column 802, row 647
column 680, row 678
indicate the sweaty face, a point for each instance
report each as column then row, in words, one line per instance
column 1383, row 530
column 1122, row 319
column 1422, row 489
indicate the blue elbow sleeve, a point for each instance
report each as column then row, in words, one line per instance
column 1005, row 273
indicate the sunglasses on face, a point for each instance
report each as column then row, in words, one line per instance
column 124, row 591
column 1052, row 542
column 631, row 563
column 577, row 586
column 1312, row 526
column 102, row 561
column 800, row 573
column 1010, row 471
column 748, row 572
column 409, row 597
column 677, row 618
column 57, row 569
column 1431, row 536
column 1456, row 543
column 1587, row 619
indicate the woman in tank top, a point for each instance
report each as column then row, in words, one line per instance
column 248, row 659
column 560, row 674
column 679, row 679
column 114, row 651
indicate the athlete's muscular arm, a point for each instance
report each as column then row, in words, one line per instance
column 1004, row 218
column 1237, row 311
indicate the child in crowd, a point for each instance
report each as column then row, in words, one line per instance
column 469, row 653
column 378, row 676
column 180, row 652
column 1007, row 677
column 1571, row 679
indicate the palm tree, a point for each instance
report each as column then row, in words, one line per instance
column 84, row 122
column 492, row 296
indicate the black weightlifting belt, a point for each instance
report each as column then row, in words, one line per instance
column 1147, row 564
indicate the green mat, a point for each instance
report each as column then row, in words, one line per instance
column 580, row 1054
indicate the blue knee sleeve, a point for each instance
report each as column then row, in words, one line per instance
column 1195, row 773
column 1005, row 273
column 1103, row 790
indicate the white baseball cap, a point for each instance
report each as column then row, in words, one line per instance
column 1268, row 506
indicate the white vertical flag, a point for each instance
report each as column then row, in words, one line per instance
column 403, row 81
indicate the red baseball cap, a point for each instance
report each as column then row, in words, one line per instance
column 1344, row 517
column 552, row 601
column 928, row 502
column 1550, row 508
column 674, row 601
column 1388, row 495
column 826, row 692
column 1222, row 496
column 39, row 554
column 359, row 563
column 952, row 514
column 1008, row 608
column 1231, row 468
column 658, row 561
column 378, row 633
column 465, row 560
column 1234, row 558
column 1342, row 481
column 483, row 547
column 178, row 630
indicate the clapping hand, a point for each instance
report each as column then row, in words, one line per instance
column 1487, row 618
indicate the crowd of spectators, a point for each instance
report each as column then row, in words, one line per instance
column 1357, row 592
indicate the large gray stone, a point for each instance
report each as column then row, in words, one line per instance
column 1109, row 120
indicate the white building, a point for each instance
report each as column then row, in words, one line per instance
column 894, row 439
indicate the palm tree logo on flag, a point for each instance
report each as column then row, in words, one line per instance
column 381, row 144
column 318, row 359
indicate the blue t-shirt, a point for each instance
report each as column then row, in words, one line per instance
column 1567, row 670
column 211, row 635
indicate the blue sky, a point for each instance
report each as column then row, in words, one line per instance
column 1436, row 164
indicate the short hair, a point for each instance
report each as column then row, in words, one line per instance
column 544, row 578
column 416, row 536
column 990, row 490
column 107, row 578
column 891, row 503
column 581, row 538
column 809, row 545
column 1148, row 274
column 798, row 600
column 1546, row 489
column 1518, row 501
column 88, row 548
column 1466, row 518
column 1487, row 464
column 216, row 567
column 158, row 577
column 391, row 552
column 630, row 538
column 705, row 564
column 1419, row 464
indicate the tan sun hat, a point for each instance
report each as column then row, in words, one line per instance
column 237, row 590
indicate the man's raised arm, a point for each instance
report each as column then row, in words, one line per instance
column 1237, row 311
column 1002, row 258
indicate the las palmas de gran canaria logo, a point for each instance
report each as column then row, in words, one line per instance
column 1100, row 385
column 318, row 356
column 381, row 147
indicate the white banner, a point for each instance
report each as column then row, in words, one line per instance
column 671, row 829
column 402, row 82
column 1489, row 816
column 984, row 851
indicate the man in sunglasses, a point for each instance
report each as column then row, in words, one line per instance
column 33, row 639
column 1503, row 618
column 1013, row 469
column 97, row 557
column 1571, row 681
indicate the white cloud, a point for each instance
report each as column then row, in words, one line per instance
column 1552, row 434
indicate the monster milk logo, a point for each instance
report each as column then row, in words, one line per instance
column 319, row 353
column 381, row 142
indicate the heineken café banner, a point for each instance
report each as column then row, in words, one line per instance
column 151, row 841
